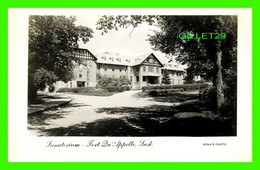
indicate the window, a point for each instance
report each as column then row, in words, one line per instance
column 150, row 69
column 98, row 66
column 120, row 70
column 113, row 69
column 144, row 68
column 151, row 60
column 137, row 78
column 105, row 69
column 137, row 69
column 131, row 78
column 80, row 75
column 144, row 78
column 157, row 70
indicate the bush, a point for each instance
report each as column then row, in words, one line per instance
column 82, row 90
column 105, row 81
column 163, row 92
column 76, row 90
column 117, row 88
column 184, row 87
column 51, row 88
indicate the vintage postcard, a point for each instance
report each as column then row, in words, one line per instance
column 130, row 85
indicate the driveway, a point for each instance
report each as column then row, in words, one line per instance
column 85, row 110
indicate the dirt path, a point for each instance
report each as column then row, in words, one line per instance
column 83, row 109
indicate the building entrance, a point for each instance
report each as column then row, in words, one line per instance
column 80, row 83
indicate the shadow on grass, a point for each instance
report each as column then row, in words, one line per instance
column 40, row 118
column 71, row 105
column 176, row 97
column 104, row 127
column 154, row 120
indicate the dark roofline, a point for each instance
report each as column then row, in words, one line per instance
column 88, row 51
column 155, row 57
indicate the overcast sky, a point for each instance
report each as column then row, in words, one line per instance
column 118, row 41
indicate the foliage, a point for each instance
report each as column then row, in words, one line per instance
column 228, row 109
column 104, row 81
column 208, row 95
column 117, row 88
column 185, row 87
column 52, row 41
column 51, row 88
column 166, row 77
column 43, row 77
column 93, row 90
column 76, row 90
column 209, row 58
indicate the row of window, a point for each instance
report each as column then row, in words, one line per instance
column 144, row 79
column 151, row 69
column 117, row 59
column 113, row 69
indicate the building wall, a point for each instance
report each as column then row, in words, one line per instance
column 176, row 77
column 139, row 75
column 85, row 73
column 112, row 70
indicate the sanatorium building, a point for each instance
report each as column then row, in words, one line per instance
column 140, row 71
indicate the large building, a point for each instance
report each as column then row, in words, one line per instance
column 141, row 70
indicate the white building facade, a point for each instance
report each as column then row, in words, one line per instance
column 140, row 71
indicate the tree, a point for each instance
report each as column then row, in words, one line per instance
column 204, row 57
column 52, row 41
column 166, row 77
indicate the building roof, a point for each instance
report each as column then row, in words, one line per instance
column 172, row 66
column 117, row 59
column 113, row 58
column 140, row 59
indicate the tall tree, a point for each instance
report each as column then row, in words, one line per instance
column 204, row 57
column 52, row 41
column 166, row 77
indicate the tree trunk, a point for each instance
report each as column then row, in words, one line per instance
column 218, row 80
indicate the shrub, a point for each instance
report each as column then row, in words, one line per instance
column 185, row 87
column 163, row 92
column 209, row 96
column 42, row 78
column 76, row 90
column 117, row 88
column 82, row 90
column 166, row 78
column 51, row 88
column 104, row 81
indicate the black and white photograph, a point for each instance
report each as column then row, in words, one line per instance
column 184, row 84
column 127, row 78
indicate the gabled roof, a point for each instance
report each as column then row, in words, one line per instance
column 84, row 52
column 113, row 58
column 140, row 59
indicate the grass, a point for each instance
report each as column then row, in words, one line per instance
column 176, row 97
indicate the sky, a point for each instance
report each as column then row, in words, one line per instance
column 121, row 41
